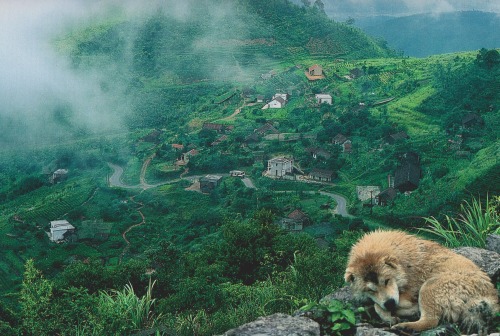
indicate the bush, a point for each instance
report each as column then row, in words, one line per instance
column 470, row 227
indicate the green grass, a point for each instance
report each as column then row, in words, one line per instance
column 470, row 227
column 403, row 111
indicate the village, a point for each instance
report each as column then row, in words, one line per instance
column 312, row 167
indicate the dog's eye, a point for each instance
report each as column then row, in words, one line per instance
column 386, row 282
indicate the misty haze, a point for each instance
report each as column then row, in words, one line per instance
column 186, row 167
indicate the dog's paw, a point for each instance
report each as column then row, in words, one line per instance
column 401, row 326
column 394, row 320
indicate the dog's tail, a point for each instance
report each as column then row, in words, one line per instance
column 479, row 315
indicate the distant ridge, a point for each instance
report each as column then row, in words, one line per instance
column 429, row 34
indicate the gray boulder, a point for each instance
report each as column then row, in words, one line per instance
column 277, row 325
column 493, row 243
column 366, row 329
column 488, row 261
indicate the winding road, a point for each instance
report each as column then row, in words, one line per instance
column 115, row 181
column 341, row 207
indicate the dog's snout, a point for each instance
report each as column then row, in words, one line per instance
column 390, row 304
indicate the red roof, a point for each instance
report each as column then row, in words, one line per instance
column 297, row 215
column 315, row 66
column 177, row 146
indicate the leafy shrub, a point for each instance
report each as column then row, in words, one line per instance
column 334, row 317
column 472, row 225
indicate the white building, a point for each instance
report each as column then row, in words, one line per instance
column 283, row 96
column 279, row 167
column 324, row 99
column 279, row 101
column 60, row 230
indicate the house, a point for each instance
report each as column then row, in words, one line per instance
column 237, row 173
column 222, row 138
column 61, row 230
column 315, row 70
column 192, row 152
column 277, row 102
column 323, row 99
column 178, row 146
column 339, row 139
column 59, row 175
column 267, row 128
column 219, row 128
column 407, row 177
column 393, row 138
column 322, row 175
column 208, row 183
column 386, row 196
column 252, row 137
column 366, row 193
column 342, row 141
column 317, row 152
column 184, row 158
column 284, row 96
column 260, row 98
column 295, row 221
column 279, row 167
column 314, row 73
column 471, row 120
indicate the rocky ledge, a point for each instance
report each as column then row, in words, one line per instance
column 284, row 325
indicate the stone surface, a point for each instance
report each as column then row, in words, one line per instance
column 488, row 261
column 277, row 325
column 366, row 329
column 493, row 243
column 285, row 325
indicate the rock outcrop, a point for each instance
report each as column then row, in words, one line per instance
column 285, row 325
column 277, row 325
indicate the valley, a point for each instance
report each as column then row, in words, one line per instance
column 242, row 147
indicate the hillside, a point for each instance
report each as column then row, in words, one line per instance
column 159, row 205
column 431, row 34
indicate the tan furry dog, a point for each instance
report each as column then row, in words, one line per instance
column 407, row 276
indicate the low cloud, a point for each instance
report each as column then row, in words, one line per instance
column 41, row 95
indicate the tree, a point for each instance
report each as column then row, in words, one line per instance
column 488, row 58
column 35, row 298
column 167, row 260
column 92, row 275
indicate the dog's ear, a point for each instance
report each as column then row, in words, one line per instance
column 348, row 276
column 391, row 261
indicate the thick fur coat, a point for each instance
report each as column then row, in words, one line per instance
column 407, row 276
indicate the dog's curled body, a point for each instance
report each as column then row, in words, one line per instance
column 408, row 276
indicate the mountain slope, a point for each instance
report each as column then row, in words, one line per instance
column 426, row 34
column 219, row 37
